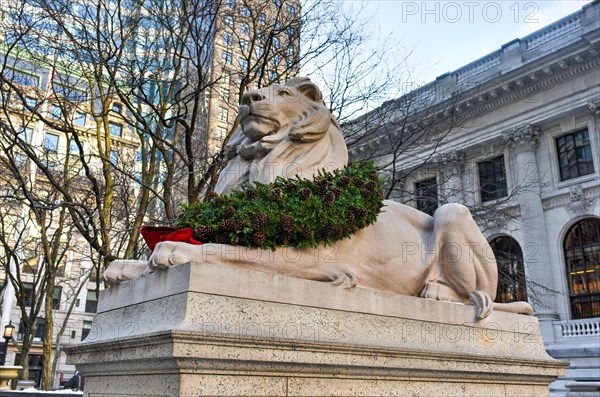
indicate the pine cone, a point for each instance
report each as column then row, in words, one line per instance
column 240, row 224
column 220, row 238
column 333, row 231
column 366, row 193
column 228, row 212
column 277, row 193
column 286, row 237
column 203, row 233
column 357, row 182
column 287, row 223
column 350, row 217
column 227, row 225
column 305, row 193
column 338, row 232
column 371, row 185
column 212, row 195
column 338, row 192
column 344, row 181
column 330, row 198
column 260, row 221
column 360, row 213
column 259, row 238
column 250, row 194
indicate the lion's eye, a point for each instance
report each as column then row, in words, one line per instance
column 285, row 91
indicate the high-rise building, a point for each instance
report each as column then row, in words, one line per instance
column 154, row 75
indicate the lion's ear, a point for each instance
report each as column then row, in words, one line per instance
column 310, row 90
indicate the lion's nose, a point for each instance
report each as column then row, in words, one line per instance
column 251, row 97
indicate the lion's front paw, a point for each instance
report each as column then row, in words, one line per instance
column 122, row 270
column 167, row 254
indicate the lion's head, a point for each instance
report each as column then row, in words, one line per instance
column 285, row 130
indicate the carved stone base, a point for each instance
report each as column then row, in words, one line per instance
column 216, row 331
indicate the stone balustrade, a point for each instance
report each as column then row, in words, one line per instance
column 578, row 328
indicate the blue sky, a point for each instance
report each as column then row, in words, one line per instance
column 445, row 35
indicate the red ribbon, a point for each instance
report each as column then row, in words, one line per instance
column 155, row 234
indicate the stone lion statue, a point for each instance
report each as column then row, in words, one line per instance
column 286, row 130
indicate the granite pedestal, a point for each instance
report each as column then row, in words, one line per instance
column 207, row 330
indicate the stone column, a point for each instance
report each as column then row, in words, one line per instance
column 451, row 173
column 522, row 142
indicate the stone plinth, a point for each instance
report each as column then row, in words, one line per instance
column 207, row 330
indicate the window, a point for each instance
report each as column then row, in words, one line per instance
column 262, row 18
column 275, row 60
column 30, row 102
column 20, row 160
column 28, row 294
column 30, row 262
column 73, row 148
column 79, row 119
column 114, row 157
column 40, row 332
column 277, row 26
column 511, row 271
column 243, row 63
column 221, row 133
column 574, row 155
column 259, row 51
column 492, row 179
column 223, row 114
column 245, row 28
column 426, row 195
column 291, row 10
column 55, row 112
column 4, row 96
column 70, row 93
column 26, row 134
column 227, row 57
column 246, row 11
column 291, row 31
column 117, row 108
column 91, row 301
column 244, row 45
column 582, row 258
column 224, row 93
column 228, row 39
column 56, row 298
column 276, row 42
column 51, row 142
column 229, row 21
column 22, row 78
column 231, row 4
column 85, row 330
column 274, row 76
column 278, row 3
column 115, row 129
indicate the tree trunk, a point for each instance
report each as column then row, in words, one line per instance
column 47, row 346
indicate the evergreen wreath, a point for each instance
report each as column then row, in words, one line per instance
column 296, row 211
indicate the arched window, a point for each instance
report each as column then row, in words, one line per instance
column 582, row 257
column 511, row 273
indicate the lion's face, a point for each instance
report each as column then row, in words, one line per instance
column 264, row 112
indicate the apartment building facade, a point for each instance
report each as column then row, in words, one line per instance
column 250, row 44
